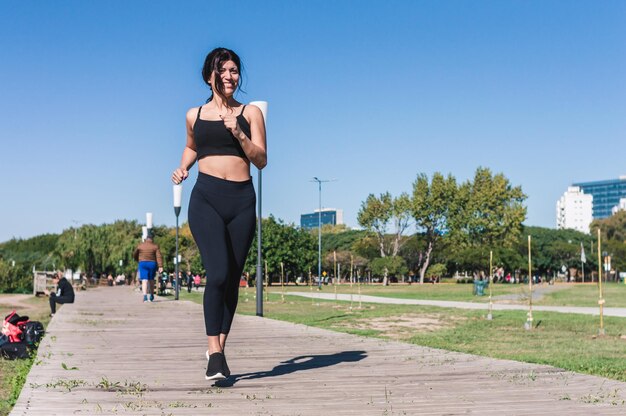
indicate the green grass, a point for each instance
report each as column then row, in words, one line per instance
column 14, row 372
column 563, row 340
column 442, row 291
column 565, row 294
column 587, row 295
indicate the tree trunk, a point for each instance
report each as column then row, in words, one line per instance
column 426, row 262
column 396, row 241
column 385, row 279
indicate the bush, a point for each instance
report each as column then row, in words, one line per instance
column 395, row 266
column 436, row 270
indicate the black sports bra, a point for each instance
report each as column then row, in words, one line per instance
column 213, row 138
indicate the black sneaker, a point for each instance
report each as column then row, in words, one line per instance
column 214, row 370
column 226, row 370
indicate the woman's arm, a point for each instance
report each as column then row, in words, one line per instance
column 254, row 147
column 189, row 153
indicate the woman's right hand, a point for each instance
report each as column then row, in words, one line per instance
column 179, row 175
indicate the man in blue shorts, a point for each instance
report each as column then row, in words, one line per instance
column 149, row 257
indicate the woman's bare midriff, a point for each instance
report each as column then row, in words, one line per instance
column 232, row 168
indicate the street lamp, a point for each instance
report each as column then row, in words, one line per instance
column 178, row 196
column 319, row 231
column 262, row 105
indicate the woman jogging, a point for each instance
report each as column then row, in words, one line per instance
column 224, row 136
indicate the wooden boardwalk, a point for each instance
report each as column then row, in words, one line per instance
column 109, row 353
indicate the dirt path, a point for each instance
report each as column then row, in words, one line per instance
column 15, row 301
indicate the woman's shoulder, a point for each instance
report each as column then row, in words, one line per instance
column 192, row 115
column 252, row 112
column 193, row 111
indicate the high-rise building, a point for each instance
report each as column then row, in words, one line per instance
column 574, row 210
column 330, row 216
column 619, row 207
column 606, row 195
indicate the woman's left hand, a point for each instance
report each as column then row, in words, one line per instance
column 231, row 124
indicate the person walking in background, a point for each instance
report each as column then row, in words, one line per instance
column 189, row 278
column 64, row 293
column 224, row 137
column 148, row 254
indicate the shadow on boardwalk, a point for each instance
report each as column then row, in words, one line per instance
column 301, row 363
column 109, row 353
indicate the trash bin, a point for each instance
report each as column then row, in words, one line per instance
column 479, row 287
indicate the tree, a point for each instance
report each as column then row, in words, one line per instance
column 20, row 255
column 345, row 259
column 367, row 247
column 341, row 241
column 388, row 266
column 490, row 210
column 611, row 228
column 552, row 249
column 613, row 234
column 432, row 206
column 296, row 248
column 435, row 271
column 99, row 248
column 377, row 215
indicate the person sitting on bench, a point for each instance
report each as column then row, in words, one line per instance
column 64, row 293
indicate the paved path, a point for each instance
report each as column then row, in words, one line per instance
column 619, row 312
column 538, row 292
column 111, row 354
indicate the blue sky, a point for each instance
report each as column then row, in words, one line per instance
column 93, row 97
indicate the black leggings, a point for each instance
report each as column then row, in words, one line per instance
column 54, row 299
column 222, row 220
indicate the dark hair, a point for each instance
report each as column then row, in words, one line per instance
column 213, row 63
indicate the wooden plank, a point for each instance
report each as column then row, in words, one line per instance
column 151, row 359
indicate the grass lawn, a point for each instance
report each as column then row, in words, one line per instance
column 587, row 295
column 441, row 291
column 561, row 294
column 563, row 340
column 14, row 372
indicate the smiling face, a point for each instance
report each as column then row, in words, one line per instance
column 221, row 71
column 227, row 76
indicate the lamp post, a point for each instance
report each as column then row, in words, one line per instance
column 490, row 313
column 262, row 105
column 319, row 231
column 529, row 321
column 178, row 196
column 600, row 297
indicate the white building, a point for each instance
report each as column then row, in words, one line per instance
column 574, row 210
column 619, row 207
